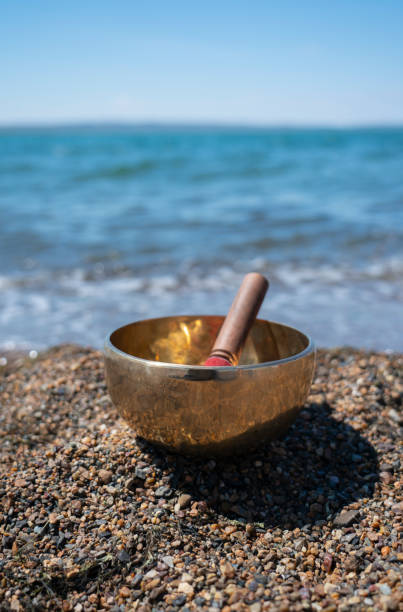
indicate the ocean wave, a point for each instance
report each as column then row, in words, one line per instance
column 325, row 302
column 19, row 168
column 123, row 171
column 192, row 274
column 229, row 171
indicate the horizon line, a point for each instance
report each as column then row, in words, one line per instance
column 199, row 123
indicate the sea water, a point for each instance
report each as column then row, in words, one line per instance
column 103, row 225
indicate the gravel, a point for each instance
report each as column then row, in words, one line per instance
column 92, row 518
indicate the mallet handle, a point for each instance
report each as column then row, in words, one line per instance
column 240, row 317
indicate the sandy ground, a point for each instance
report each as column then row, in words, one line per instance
column 92, row 518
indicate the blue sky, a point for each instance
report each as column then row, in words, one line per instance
column 256, row 62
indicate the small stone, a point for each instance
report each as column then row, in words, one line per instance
column 305, row 593
column 185, row 587
column 141, row 473
column 123, row 556
column 389, row 603
column 71, row 573
column 105, row 476
column 194, row 511
column 234, row 597
column 354, row 601
column 53, row 518
column 20, row 482
column 395, row 416
column 349, row 537
column 150, row 574
column 397, row 508
column 183, row 501
column 153, row 584
column 156, row 593
column 250, row 530
column 136, row 580
column 329, row 588
column 351, row 564
column 176, row 543
column 386, row 477
column 227, row 570
column 327, row 563
column 168, row 560
column 179, row 601
column 186, row 578
column 124, row 592
column 163, row 491
column 252, row 585
column 345, row 519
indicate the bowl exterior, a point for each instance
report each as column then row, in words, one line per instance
column 210, row 411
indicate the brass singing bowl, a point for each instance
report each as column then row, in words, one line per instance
column 158, row 385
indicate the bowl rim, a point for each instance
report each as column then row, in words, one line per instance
column 310, row 348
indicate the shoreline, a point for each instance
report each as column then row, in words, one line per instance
column 15, row 358
column 94, row 518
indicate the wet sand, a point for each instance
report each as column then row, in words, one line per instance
column 93, row 519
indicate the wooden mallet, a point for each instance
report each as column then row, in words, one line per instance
column 234, row 331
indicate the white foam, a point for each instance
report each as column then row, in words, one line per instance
column 337, row 304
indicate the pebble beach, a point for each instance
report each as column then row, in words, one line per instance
column 93, row 519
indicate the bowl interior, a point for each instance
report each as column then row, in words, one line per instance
column 189, row 339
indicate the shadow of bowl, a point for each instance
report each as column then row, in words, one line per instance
column 320, row 466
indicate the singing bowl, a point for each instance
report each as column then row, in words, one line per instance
column 158, row 386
